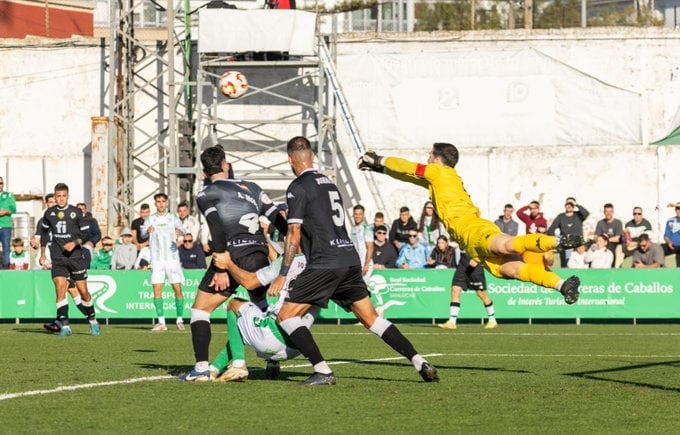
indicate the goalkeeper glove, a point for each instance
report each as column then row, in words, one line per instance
column 371, row 162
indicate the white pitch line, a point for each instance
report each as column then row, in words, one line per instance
column 82, row 387
column 158, row 378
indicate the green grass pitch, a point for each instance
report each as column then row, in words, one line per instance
column 515, row 379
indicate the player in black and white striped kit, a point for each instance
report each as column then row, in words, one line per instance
column 316, row 223
column 232, row 209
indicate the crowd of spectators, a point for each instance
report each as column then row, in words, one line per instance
column 405, row 243
column 127, row 251
column 415, row 245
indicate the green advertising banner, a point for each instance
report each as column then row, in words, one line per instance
column 397, row 294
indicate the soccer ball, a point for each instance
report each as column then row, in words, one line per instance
column 233, row 84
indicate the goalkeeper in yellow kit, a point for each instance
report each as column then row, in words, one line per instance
column 499, row 253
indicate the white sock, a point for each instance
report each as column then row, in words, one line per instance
column 559, row 284
column 417, row 362
column 161, row 320
column 322, row 367
column 202, row 366
column 180, row 320
column 238, row 363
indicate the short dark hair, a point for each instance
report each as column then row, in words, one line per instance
column 404, row 209
column 604, row 236
column 359, row 207
column 643, row 236
column 443, row 237
column 160, row 195
column 183, row 204
column 17, row 241
column 81, row 203
column 447, row 152
column 298, row 143
column 144, row 206
column 61, row 187
column 49, row 196
column 508, row 205
column 380, row 228
column 609, row 205
column 379, row 214
column 535, row 202
column 211, row 160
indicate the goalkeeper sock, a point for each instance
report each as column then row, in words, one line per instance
column 538, row 275
column 534, row 243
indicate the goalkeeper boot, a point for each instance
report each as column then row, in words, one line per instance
column 570, row 289
column 429, row 373
column 319, row 379
column 570, row 241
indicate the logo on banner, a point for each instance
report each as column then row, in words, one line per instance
column 102, row 288
column 378, row 287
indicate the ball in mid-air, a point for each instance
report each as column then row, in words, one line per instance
column 233, row 84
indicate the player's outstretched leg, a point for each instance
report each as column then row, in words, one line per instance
column 569, row 289
column 383, row 328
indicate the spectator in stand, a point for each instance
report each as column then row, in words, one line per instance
column 633, row 229
column 190, row 222
column 534, row 218
column 35, row 240
column 8, row 207
column 379, row 219
column 384, row 253
column 613, row 229
column 569, row 222
column 362, row 239
column 95, row 231
column 648, row 255
column 103, row 256
column 443, row 256
column 412, row 255
column 671, row 235
column 505, row 221
column 19, row 258
column 140, row 240
column 191, row 255
column 125, row 253
column 430, row 227
column 598, row 255
column 399, row 233
column 577, row 260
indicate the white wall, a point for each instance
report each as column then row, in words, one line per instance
column 600, row 96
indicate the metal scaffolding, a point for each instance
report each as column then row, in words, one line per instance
column 166, row 107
